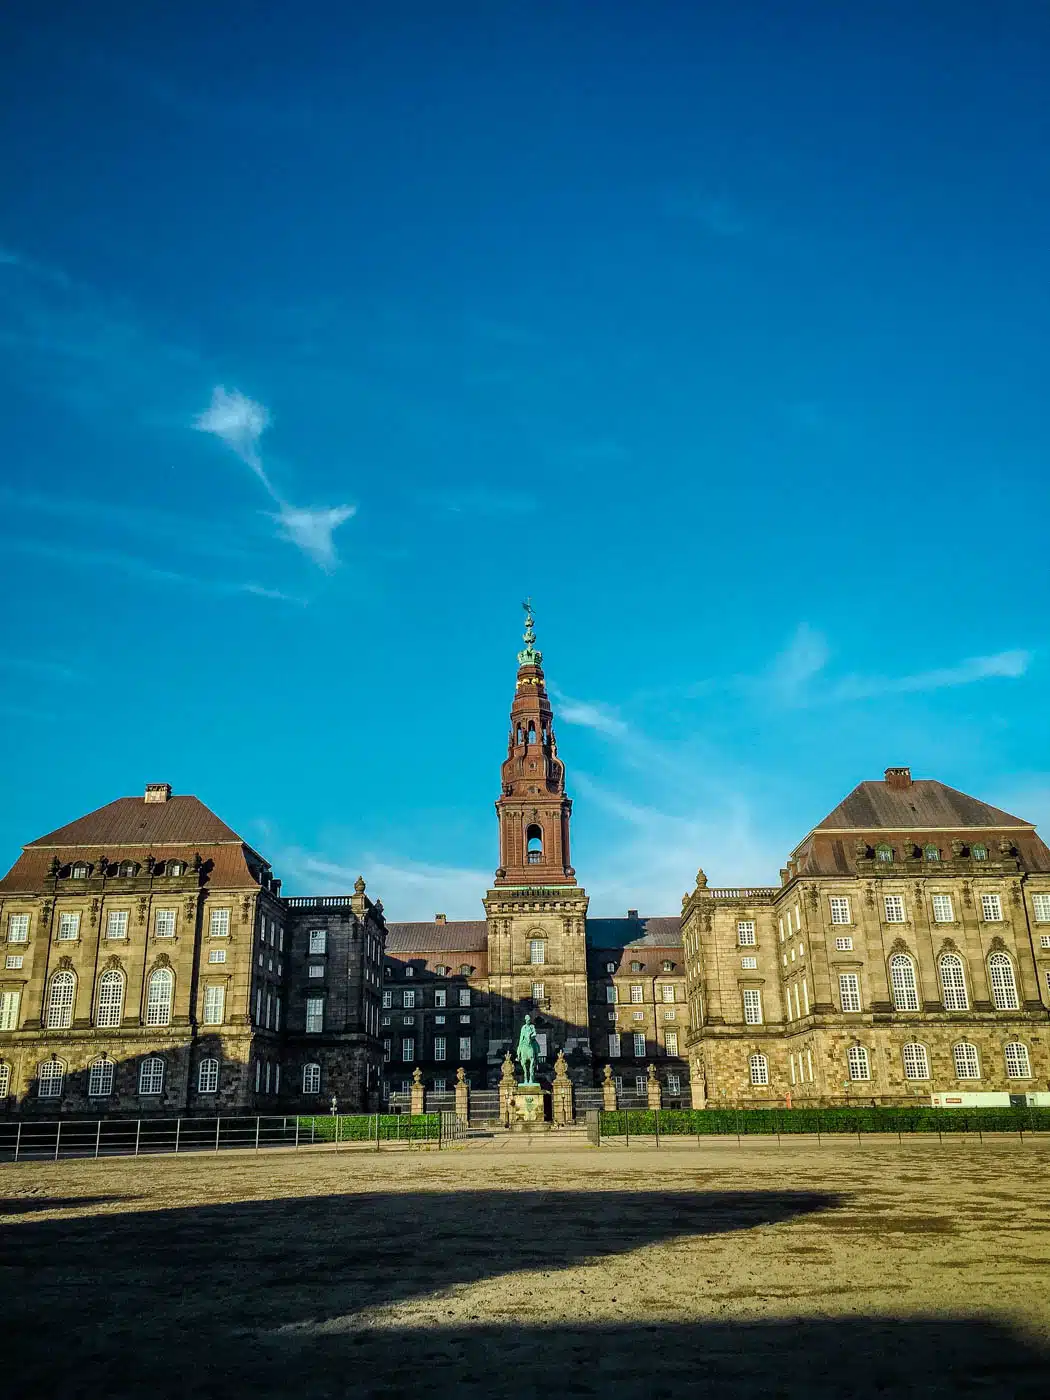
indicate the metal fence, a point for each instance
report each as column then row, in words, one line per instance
column 31, row 1140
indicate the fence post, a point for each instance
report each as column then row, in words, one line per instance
column 138, row 1134
column 98, row 1136
column 297, row 1132
column 58, row 1138
column 257, row 1122
column 656, row 1117
column 218, row 1124
column 627, row 1126
column 178, row 1130
column 399, row 1127
column 377, row 1132
column 18, row 1140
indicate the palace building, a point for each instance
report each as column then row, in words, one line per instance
column 152, row 963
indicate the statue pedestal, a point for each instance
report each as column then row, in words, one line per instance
column 527, row 1105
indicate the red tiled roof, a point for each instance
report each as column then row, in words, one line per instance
column 474, row 958
column 465, row 936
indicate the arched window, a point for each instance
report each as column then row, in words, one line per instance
column 857, row 1059
column 5, row 1079
column 176, row 867
column 519, row 738
column 953, row 983
column 127, row 869
column 534, row 844
column 1004, row 984
column 151, row 1075
column 159, row 997
column 883, row 851
column 537, row 950
column 110, row 999
column 979, row 852
column 311, row 1079
column 100, row 1078
column 916, row 1061
column 967, row 1060
column 903, row 984
column 208, row 1077
column 79, row 871
column 1018, row 1065
column 530, row 738
column 931, row 852
column 50, row 1076
column 759, row 1067
column 60, row 1001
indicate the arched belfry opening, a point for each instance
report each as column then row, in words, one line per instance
column 534, row 845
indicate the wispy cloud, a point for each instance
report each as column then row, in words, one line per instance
column 601, row 718
column 239, row 422
column 410, row 890
column 1008, row 665
column 804, row 657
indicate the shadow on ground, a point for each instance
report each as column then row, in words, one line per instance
column 191, row 1303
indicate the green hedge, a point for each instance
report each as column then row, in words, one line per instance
column 682, row 1122
column 362, row 1127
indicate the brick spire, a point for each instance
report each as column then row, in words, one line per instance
column 533, row 811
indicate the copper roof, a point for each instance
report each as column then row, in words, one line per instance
column 923, row 803
column 130, row 821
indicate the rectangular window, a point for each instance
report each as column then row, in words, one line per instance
column 49, row 1079
column 674, row 1085
column 614, row 1046
column 219, row 923
column 316, row 970
column 749, row 963
column 943, row 913
column 857, row 1059
column 849, row 991
column 840, row 909
column 258, row 1006
column 388, row 1000
column 1040, row 909
column 277, row 1013
column 269, row 1009
column 844, row 945
column 214, row 1003
column 639, row 1045
column 637, row 994
column 9, row 1010
column 216, row 955
column 752, row 1006
column 318, row 941
column 991, row 909
column 464, row 1047
column 18, row 928
column 14, row 961
column 464, row 996
column 408, row 1049
column 894, row 904
column 537, row 950
column 68, row 926
column 798, row 1013
column 386, row 1051
column 667, row 992
column 1044, row 940
column 641, row 1084
column 439, row 997
column 805, row 997
column 537, row 991
column 164, row 923
column 117, row 923
column 669, row 1016
column 439, row 1047
column 409, row 999
column 611, row 995
column 745, row 933
column 314, row 1015
column 671, row 1042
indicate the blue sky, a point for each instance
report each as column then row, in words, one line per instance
column 328, row 332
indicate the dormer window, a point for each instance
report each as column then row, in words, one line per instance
column 668, row 966
column 931, row 853
column 176, row 867
column 883, row 851
column 610, row 967
column 441, row 970
column 636, row 967
column 79, row 871
column 410, row 972
column 979, row 852
column 464, row 969
column 128, row 869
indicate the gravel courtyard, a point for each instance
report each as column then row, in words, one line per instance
column 867, row 1269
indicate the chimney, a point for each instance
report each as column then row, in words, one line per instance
column 157, row 792
column 439, row 918
column 632, row 913
column 898, row 778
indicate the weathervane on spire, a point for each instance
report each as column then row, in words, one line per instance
column 529, row 656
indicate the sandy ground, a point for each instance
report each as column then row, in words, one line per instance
column 867, row 1269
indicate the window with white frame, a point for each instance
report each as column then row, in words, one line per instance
column 752, row 1006
column 745, row 933
column 671, row 1043
column 9, row 1010
column 410, row 971
column 164, row 923
column 18, row 928
column 464, row 996
column 316, row 971
column 312, row 1078
column 50, row 1076
column 1004, row 984
column 859, row 1064
column 388, row 1000
column 674, row 1085
column 318, row 941
column 409, row 1000
column 117, row 923
column 440, row 997
column 439, row 1047
column 641, row 1083
column 1044, row 940
column 219, row 924
column 68, row 927
column 151, row 1076
column 639, row 1045
column 916, row 1061
column 903, row 984
column 14, row 961
column 159, row 993
column 60, row 1001
column 100, row 1078
column 610, row 967
column 967, row 1061
column 214, row 1004
column 408, row 1049
column 537, row 950
column 849, row 991
column 110, row 1011
column 670, row 1016
column 749, row 964
column 464, row 1047
column 759, row 1069
column 1040, row 909
column 667, row 992
column 538, row 993
column 637, row 994
column 931, row 852
column 637, row 1015
column 216, row 955
column 611, row 995
column 991, row 909
column 953, row 982
column 440, row 1086
column 894, row 906
column 80, row 871
column 1018, row 1065
column 979, row 852
column 840, row 912
column 844, row 944
column 614, row 1046
column 943, row 910
column 314, row 1015
column 387, row 1051
column 258, row 1005
column 208, row 1076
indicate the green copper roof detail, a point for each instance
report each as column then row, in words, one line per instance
column 529, row 656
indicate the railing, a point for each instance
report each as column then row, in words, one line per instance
column 121, row 1137
column 318, row 901
column 761, row 892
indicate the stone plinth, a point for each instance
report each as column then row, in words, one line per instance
column 652, row 1088
column 507, row 1090
column 462, row 1096
column 417, row 1090
column 561, row 1096
column 608, row 1091
column 527, row 1106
